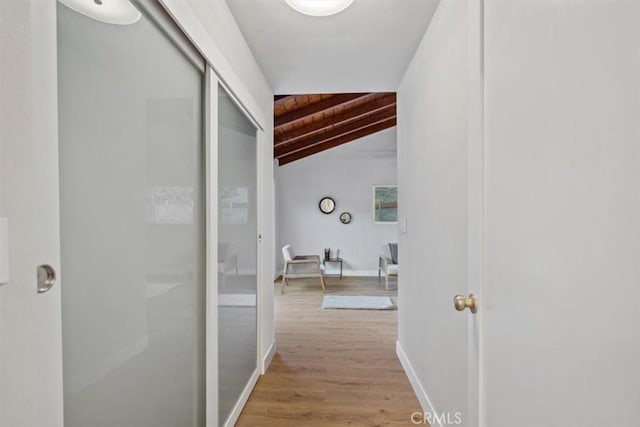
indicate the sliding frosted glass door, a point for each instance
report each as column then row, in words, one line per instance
column 132, row 225
column 237, row 260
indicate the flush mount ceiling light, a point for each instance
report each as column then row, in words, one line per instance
column 118, row 12
column 319, row 7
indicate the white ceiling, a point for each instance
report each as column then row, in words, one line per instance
column 366, row 48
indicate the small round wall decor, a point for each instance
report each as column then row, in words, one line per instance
column 345, row 217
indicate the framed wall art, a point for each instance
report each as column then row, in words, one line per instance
column 385, row 204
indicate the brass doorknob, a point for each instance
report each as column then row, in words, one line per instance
column 460, row 303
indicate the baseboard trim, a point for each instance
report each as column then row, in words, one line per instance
column 420, row 392
column 268, row 357
column 360, row 273
column 345, row 273
column 239, row 406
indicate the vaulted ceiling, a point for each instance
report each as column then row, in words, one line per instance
column 308, row 124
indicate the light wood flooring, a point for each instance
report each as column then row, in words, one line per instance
column 332, row 367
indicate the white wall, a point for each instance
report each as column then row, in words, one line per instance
column 432, row 165
column 217, row 20
column 347, row 174
column 30, row 324
column 563, row 210
column 561, row 231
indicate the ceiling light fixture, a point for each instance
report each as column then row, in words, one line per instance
column 118, row 12
column 319, row 7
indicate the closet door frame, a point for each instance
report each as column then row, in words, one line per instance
column 212, row 83
column 219, row 72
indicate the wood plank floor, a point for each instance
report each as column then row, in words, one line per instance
column 332, row 367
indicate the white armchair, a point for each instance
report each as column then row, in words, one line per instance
column 386, row 265
column 301, row 266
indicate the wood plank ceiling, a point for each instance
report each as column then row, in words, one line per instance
column 308, row 124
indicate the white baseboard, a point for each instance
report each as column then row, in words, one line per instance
column 360, row 273
column 420, row 392
column 268, row 357
column 239, row 406
column 345, row 273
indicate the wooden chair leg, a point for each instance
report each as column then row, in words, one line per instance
column 386, row 279
column 379, row 275
column 324, row 288
column 285, row 270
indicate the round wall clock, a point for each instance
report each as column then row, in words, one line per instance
column 327, row 205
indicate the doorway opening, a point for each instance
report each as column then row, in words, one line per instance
column 336, row 203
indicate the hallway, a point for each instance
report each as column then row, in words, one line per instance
column 156, row 156
column 332, row 367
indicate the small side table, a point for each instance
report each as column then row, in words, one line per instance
column 335, row 261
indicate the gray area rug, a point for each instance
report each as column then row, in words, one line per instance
column 357, row 302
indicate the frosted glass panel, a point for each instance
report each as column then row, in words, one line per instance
column 132, row 225
column 237, row 262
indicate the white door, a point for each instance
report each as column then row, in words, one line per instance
column 562, row 301
column 30, row 331
column 475, row 205
column 132, row 218
column 440, row 158
column 238, row 218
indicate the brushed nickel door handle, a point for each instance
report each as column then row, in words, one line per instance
column 46, row 278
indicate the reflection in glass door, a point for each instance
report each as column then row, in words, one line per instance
column 237, row 253
column 132, row 224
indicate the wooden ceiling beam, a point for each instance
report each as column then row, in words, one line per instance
column 337, row 141
column 387, row 102
column 317, row 107
column 335, row 132
column 282, row 99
